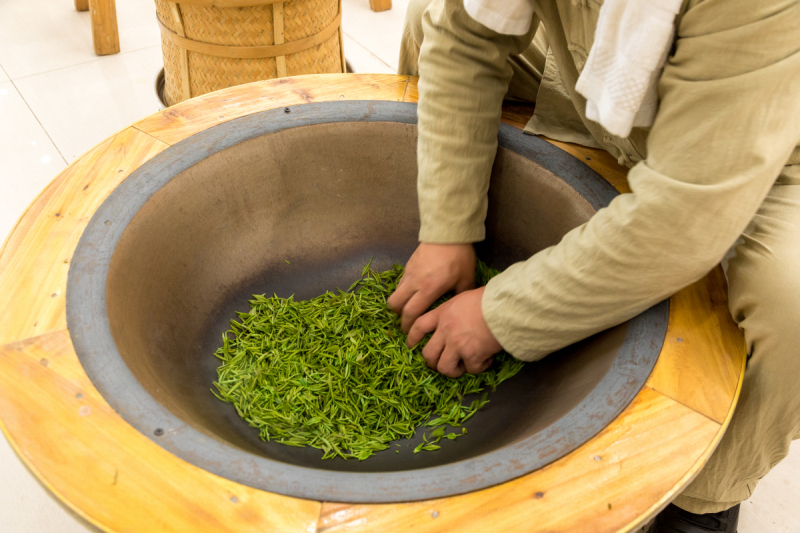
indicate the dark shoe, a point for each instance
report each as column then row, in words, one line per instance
column 673, row 519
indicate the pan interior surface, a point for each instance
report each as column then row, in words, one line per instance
column 298, row 211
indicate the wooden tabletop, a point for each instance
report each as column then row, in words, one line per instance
column 120, row 480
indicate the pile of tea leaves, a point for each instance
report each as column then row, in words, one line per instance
column 334, row 372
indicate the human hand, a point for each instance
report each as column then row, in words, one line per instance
column 462, row 341
column 433, row 270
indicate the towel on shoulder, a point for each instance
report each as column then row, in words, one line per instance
column 620, row 78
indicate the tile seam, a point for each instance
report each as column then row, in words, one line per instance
column 38, row 121
column 368, row 50
column 93, row 60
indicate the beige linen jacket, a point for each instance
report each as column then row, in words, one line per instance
column 728, row 122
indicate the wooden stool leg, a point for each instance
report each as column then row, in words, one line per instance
column 379, row 5
column 104, row 26
column 82, row 5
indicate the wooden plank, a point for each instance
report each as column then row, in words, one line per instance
column 412, row 92
column 104, row 26
column 635, row 464
column 94, row 461
column 187, row 118
column 82, row 5
column 517, row 114
column 35, row 259
column 598, row 160
column 704, row 352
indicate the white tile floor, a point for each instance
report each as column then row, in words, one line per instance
column 57, row 100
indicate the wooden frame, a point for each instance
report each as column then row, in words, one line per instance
column 379, row 5
column 106, row 471
column 105, row 34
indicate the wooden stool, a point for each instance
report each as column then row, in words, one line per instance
column 104, row 25
column 120, row 480
column 375, row 5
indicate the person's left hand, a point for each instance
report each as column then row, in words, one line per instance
column 461, row 342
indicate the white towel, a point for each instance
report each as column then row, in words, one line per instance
column 621, row 74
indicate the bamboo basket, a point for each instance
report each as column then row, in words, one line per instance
column 214, row 44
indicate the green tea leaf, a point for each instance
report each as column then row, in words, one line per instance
column 334, row 372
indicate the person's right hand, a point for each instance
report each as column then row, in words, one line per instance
column 433, row 270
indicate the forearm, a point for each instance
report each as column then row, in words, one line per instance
column 641, row 249
column 729, row 118
column 464, row 74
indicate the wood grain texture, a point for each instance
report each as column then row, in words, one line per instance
column 82, row 5
column 704, row 351
column 517, row 114
column 94, row 461
column 121, row 481
column 598, row 160
column 187, row 118
column 412, row 90
column 35, row 259
column 104, row 26
column 602, row 488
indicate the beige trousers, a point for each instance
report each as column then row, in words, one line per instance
column 763, row 271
